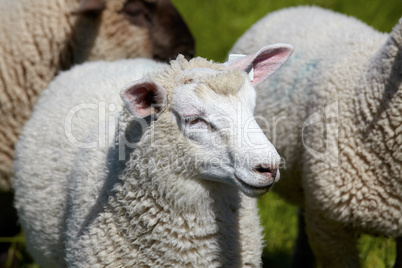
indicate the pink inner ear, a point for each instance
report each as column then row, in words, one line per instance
column 269, row 61
column 144, row 97
column 265, row 62
column 141, row 99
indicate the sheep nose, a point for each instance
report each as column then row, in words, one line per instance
column 267, row 171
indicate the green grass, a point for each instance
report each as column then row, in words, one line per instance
column 377, row 252
column 18, row 255
column 216, row 25
column 280, row 221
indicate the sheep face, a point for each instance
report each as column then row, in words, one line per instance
column 214, row 113
column 205, row 116
column 213, row 129
column 132, row 28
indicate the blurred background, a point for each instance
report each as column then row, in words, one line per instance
column 216, row 25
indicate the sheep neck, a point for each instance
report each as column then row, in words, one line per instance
column 163, row 231
column 162, row 235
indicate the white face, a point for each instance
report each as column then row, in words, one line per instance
column 229, row 145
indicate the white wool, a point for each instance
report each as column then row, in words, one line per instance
column 335, row 116
column 85, row 208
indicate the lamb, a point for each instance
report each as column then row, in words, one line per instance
column 39, row 38
column 336, row 107
column 161, row 186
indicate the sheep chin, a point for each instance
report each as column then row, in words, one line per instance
column 249, row 190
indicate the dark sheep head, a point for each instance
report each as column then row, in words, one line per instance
column 142, row 28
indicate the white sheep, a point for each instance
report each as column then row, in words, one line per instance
column 41, row 37
column 160, row 187
column 336, row 109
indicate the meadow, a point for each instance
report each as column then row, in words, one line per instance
column 216, row 25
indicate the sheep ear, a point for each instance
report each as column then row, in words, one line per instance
column 264, row 63
column 144, row 97
column 89, row 6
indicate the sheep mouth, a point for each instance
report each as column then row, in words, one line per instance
column 250, row 190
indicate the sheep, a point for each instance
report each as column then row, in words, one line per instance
column 39, row 38
column 336, row 107
column 163, row 177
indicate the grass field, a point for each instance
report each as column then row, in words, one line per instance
column 216, row 25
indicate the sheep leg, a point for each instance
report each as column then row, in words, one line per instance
column 333, row 244
column 302, row 254
column 398, row 261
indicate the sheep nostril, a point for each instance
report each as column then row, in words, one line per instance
column 266, row 170
column 262, row 169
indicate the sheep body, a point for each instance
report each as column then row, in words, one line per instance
column 95, row 187
column 335, row 108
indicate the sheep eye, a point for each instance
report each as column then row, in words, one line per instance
column 193, row 120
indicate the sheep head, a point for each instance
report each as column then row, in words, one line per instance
column 203, row 113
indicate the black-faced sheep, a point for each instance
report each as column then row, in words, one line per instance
column 336, row 107
column 170, row 184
